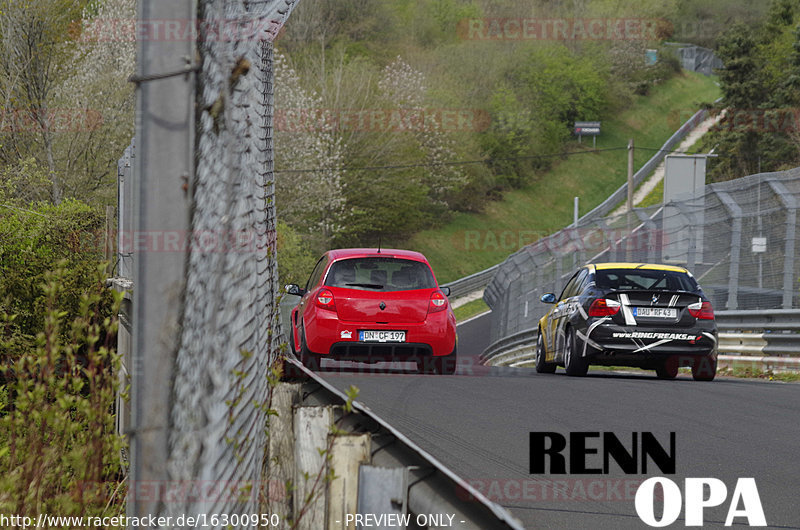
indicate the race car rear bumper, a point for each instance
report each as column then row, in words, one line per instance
column 647, row 343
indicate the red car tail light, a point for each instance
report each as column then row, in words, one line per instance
column 325, row 300
column 603, row 307
column 701, row 310
column 438, row 302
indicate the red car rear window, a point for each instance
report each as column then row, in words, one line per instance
column 380, row 274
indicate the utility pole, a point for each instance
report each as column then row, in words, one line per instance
column 630, row 175
column 630, row 198
column 575, row 212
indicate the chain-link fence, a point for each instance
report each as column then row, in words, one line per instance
column 739, row 239
column 696, row 58
column 197, row 239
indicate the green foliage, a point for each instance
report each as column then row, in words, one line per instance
column 24, row 182
column 64, row 100
column 531, row 90
column 295, row 259
column 383, row 207
column 533, row 114
column 59, row 452
column 471, row 242
column 32, row 241
column 701, row 22
column 761, row 91
column 470, row 309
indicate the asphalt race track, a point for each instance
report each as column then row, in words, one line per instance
column 478, row 421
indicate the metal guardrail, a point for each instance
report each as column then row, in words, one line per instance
column 436, row 489
column 748, row 336
column 471, row 283
column 498, row 348
column 767, row 320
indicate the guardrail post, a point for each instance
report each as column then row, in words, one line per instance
column 348, row 453
column 312, row 426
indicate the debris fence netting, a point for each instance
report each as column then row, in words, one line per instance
column 739, row 239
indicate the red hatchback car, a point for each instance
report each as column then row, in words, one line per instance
column 374, row 305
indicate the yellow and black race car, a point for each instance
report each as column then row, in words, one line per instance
column 649, row 316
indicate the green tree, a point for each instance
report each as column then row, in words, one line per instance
column 742, row 88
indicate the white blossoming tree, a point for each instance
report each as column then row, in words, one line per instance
column 310, row 201
column 407, row 88
column 66, row 103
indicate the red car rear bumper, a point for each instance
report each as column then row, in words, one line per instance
column 324, row 330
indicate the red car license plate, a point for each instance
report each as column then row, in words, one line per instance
column 382, row 336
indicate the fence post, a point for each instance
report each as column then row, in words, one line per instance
column 736, row 245
column 790, row 203
column 163, row 165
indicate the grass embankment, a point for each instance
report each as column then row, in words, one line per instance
column 470, row 309
column 472, row 242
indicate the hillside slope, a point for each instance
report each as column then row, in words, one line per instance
column 472, row 242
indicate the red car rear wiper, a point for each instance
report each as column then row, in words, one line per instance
column 367, row 285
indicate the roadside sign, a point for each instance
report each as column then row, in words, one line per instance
column 587, row 128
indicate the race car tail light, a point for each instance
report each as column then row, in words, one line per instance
column 438, row 302
column 603, row 307
column 325, row 300
column 701, row 310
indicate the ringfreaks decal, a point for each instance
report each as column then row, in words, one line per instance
column 652, row 335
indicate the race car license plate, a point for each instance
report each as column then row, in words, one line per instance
column 382, row 336
column 655, row 312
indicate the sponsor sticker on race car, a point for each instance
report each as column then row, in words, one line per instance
column 652, row 335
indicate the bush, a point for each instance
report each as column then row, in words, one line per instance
column 32, row 241
column 59, row 453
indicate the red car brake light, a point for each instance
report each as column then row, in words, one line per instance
column 438, row 302
column 603, row 307
column 325, row 300
column 701, row 310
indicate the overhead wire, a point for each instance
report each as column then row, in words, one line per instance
column 451, row 163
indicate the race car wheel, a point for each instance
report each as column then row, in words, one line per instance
column 704, row 368
column 445, row 365
column 309, row 359
column 668, row 369
column 573, row 363
column 542, row 366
